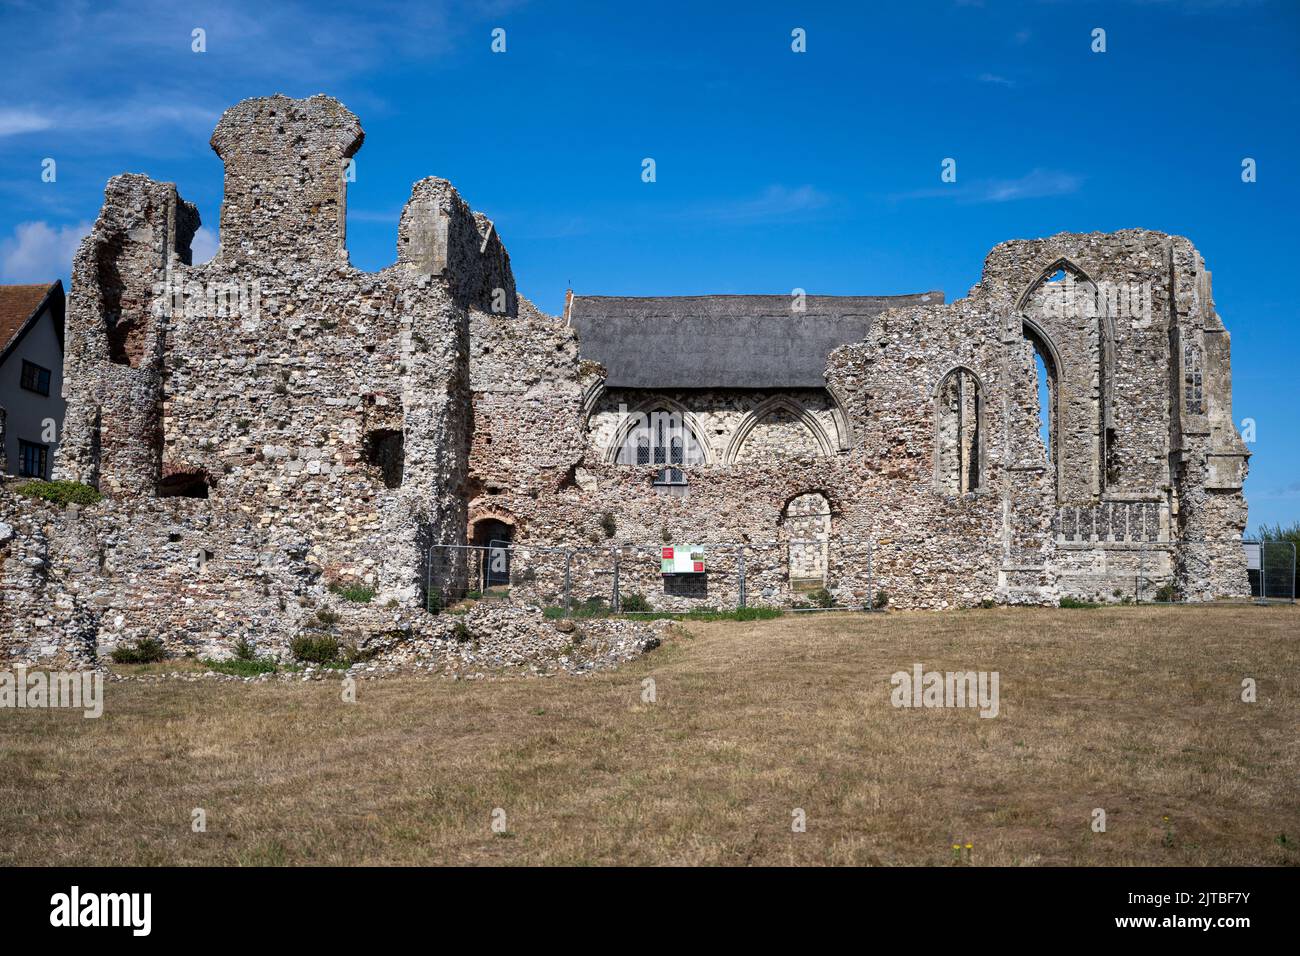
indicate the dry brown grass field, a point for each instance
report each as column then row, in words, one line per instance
column 1134, row 710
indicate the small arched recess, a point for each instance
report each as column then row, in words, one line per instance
column 958, row 438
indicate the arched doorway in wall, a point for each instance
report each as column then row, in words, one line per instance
column 806, row 527
column 492, row 538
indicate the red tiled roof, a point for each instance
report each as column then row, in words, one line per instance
column 17, row 303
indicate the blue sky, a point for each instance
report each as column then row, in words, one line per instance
column 775, row 170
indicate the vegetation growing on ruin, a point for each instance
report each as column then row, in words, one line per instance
column 633, row 602
column 244, row 662
column 60, row 492
column 821, row 598
column 315, row 648
column 1166, row 593
column 243, row 667
column 357, row 593
column 147, row 650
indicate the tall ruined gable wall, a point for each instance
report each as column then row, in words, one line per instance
column 1142, row 495
column 933, row 542
column 1107, row 321
column 113, row 354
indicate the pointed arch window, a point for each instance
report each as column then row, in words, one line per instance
column 1047, row 390
column 660, row 437
column 1083, row 444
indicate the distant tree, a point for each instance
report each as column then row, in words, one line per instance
column 1278, row 533
column 1276, row 555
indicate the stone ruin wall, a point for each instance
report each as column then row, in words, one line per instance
column 311, row 424
column 267, row 424
column 1112, row 501
column 930, row 549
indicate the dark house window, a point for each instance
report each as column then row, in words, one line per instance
column 35, row 378
column 36, row 459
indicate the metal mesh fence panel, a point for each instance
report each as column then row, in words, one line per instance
column 657, row 578
column 802, row 575
column 1271, row 566
column 519, row 573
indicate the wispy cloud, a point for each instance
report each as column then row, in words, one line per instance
column 59, row 80
column 773, row 203
column 1289, row 492
column 249, row 38
column 13, row 122
column 39, row 252
column 995, row 79
column 130, row 116
column 1036, row 184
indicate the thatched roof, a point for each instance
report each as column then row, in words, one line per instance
column 723, row 341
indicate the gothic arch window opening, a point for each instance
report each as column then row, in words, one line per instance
column 1047, row 379
column 662, row 438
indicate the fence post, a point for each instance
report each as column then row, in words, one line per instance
column 1137, row 578
column 617, row 600
column 1263, row 571
column 568, row 583
column 871, row 579
column 740, row 570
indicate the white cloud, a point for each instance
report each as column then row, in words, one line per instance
column 39, row 252
column 995, row 79
column 775, row 202
column 14, row 122
column 141, row 115
column 132, row 116
column 1035, row 184
column 203, row 246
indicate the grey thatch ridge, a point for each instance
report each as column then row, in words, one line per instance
column 723, row 341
